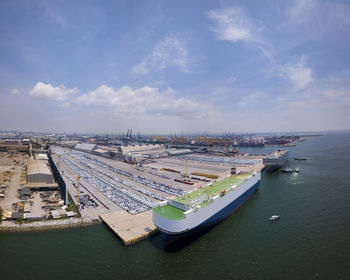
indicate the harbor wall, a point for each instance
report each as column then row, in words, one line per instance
column 58, row 178
column 9, row 226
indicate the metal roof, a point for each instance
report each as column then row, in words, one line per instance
column 37, row 167
column 17, row 215
column 32, row 216
column 179, row 152
column 26, row 191
column 85, row 146
column 41, row 156
column 140, row 148
column 59, row 212
column 101, row 151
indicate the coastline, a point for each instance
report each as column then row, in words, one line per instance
column 9, row 226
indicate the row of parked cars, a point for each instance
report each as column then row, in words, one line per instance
column 139, row 179
column 116, row 180
column 124, row 198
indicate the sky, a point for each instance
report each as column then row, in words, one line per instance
column 170, row 66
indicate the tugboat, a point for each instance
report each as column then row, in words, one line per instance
column 274, row 217
column 299, row 158
column 291, row 170
column 287, row 170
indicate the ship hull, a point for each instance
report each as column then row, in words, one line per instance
column 275, row 161
column 213, row 220
column 272, row 168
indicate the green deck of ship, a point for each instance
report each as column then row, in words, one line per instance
column 216, row 188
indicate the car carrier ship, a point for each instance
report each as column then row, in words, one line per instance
column 275, row 160
column 204, row 207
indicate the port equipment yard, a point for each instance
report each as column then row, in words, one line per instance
column 22, row 179
column 11, row 168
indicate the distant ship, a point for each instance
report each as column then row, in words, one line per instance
column 243, row 144
column 204, row 207
column 275, row 160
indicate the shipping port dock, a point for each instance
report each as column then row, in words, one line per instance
column 130, row 229
column 121, row 180
column 123, row 193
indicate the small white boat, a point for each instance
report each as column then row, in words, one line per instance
column 274, row 217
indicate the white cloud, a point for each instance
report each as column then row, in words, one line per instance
column 48, row 91
column 127, row 102
column 338, row 95
column 233, row 25
column 252, row 98
column 298, row 73
column 16, row 91
column 64, row 105
column 323, row 105
column 335, row 88
column 170, row 52
column 299, row 8
column 320, row 18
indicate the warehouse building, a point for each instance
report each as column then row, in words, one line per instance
column 177, row 152
column 12, row 146
column 134, row 158
column 17, row 216
column 32, row 216
column 135, row 153
column 86, row 147
column 39, row 172
column 60, row 213
column 139, row 148
column 102, row 153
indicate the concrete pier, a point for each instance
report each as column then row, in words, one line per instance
column 130, row 228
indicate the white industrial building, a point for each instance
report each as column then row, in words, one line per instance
column 86, row 147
